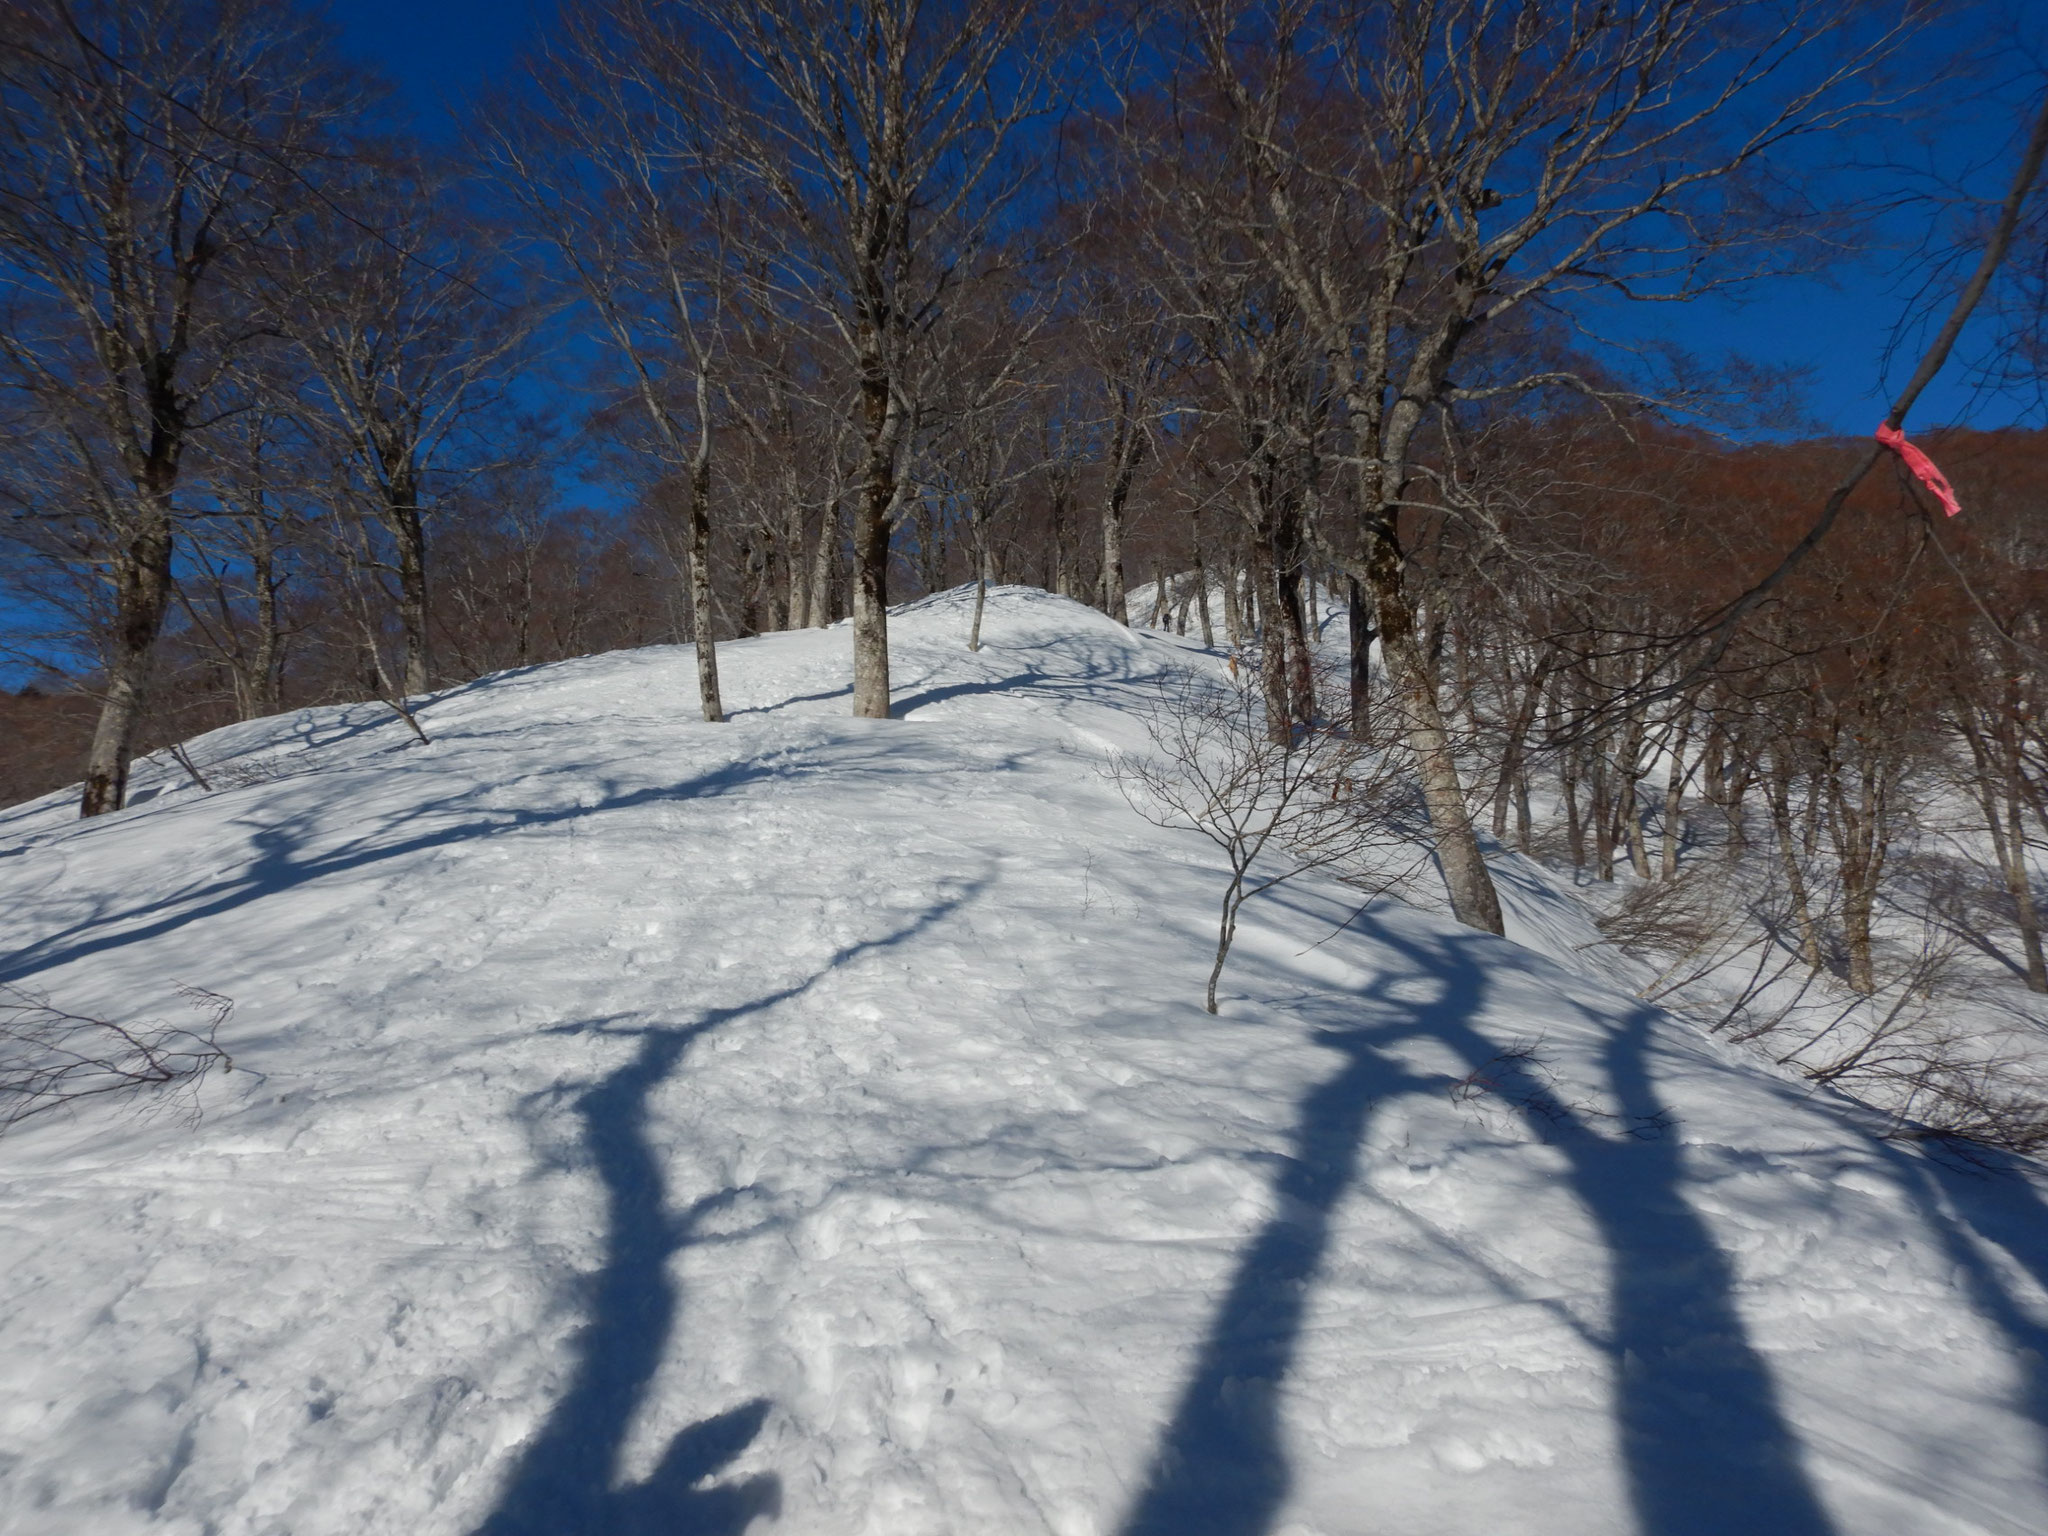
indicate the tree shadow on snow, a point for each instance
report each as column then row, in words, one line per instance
column 1220, row 1469
column 1976, row 1199
column 279, row 859
column 565, row 1482
column 1096, row 673
column 1704, row 1443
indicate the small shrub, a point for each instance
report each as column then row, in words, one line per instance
column 50, row 1058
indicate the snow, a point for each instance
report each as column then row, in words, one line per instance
column 811, row 1125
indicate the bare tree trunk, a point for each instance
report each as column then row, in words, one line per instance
column 1272, row 650
column 142, row 577
column 1062, row 555
column 1601, row 813
column 1629, row 831
column 798, row 560
column 1362, row 635
column 702, row 601
column 267, row 665
column 1114, row 601
column 1674, row 795
column 1858, row 823
column 407, row 532
column 1742, row 776
column 1780, row 798
column 980, row 580
column 1474, row 901
column 1515, row 747
column 1999, row 789
column 1233, row 613
column 871, row 554
column 2021, row 888
column 1859, row 899
column 1287, row 556
column 931, row 545
column 1574, row 823
column 824, row 565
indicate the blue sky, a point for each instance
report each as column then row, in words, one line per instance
column 1835, row 329
column 437, row 52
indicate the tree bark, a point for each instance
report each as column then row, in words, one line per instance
column 2021, row 888
column 980, row 580
column 402, row 517
column 142, row 577
column 1674, row 798
column 797, row 608
column 1125, row 447
column 825, row 565
column 1474, row 901
column 1574, row 822
column 266, row 666
column 871, row 554
column 703, row 604
column 1780, row 798
column 1361, row 634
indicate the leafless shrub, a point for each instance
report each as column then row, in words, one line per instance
column 183, row 758
column 1899, row 1050
column 240, row 772
column 1278, row 802
column 1898, row 1034
column 1721, row 947
column 246, row 771
column 50, row 1057
column 1689, row 927
column 1978, row 1103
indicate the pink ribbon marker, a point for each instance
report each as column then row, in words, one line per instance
column 1922, row 467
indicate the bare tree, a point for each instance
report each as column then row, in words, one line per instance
column 1460, row 161
column 623, row 182
column 878, row 138
column 1278, row 804
column 145, row 149
column 242, row 559
column 407, row 340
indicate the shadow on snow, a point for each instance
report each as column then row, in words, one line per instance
column 1704, row 1444
column 280, row 861
column 1220, row 1468
column 565, row 1482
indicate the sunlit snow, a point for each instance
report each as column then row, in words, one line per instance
column 811, row 1125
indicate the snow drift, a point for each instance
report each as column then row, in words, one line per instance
column 811, row 1125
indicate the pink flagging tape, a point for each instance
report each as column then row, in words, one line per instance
column 1923, row 467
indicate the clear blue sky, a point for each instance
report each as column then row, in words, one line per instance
column 437, row 52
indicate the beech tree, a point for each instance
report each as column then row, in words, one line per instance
column 878, row 139
column 147, row 148
column 619, row 178
column 406, row 333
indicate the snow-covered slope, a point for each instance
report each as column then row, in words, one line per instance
column 810, row 1125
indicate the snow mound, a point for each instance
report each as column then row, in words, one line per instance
column 810, row 1124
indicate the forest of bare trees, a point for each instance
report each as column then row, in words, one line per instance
column 1292, row 318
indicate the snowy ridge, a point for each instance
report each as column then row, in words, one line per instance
column 811, row 1125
